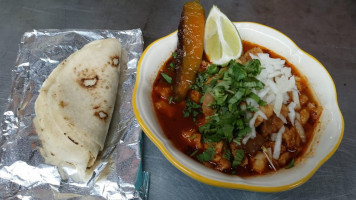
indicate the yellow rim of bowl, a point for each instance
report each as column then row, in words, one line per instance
column 220, row 183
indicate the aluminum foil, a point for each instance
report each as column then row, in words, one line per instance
column 23, row 172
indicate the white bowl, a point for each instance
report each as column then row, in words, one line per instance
column 323, row 146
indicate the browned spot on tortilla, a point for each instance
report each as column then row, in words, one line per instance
column 107, row 87
column 52, row 154
column 105, row 101
column 69, row 163
column 63, row 104
column 73, row 140
column 65, row 133
column 64, row 61
column 89, row 82
column 96, row 107
column 101, row 115
column 115, row 61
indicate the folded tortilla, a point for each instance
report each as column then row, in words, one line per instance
column 75, row 105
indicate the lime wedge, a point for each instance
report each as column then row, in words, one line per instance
column 222, row 41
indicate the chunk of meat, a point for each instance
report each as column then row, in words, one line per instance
column 254, row 145
column 315, row 112
column 164, row 91
column 195, row 96
column 217, row 158
column 246, row 57
column 267, row 110
column 244, row 162
column 259, row 162
column 284, row 111
column 193, row 138
column 223, row 164
column 165, row 108
column 219, row 147
column 304, row 116
column 298, row 82
column 303, row 99
column 234, row 147
column 208, row 100
column 291, row 138
column 284, row 158
column 272, row 125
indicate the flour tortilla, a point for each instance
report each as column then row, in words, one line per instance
column 75, row 105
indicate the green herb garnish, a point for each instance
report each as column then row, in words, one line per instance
column 167, row 77
column 170, row 99
column 194, row 152
column 192, row 137
column 212, row 69
column 239, row 156
column 207, row 155
column 227, row 154
column 290, row 165
column 191, row 109
column 172, row 66
column 230, row 86
column 174, row 54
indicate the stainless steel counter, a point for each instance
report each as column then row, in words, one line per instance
column 325, row 29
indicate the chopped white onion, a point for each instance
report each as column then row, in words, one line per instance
column 277, row 144
column 278, row 80
column 278, row 104
column 300, row 131
column 251, row 123
column 263, row 92
column 297, row 116
column 291, row 113
column 284, row 120
column 273, row 136
column 296, row 98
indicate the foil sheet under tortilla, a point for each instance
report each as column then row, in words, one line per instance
column 23, row 173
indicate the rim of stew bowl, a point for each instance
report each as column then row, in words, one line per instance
column 326, row 139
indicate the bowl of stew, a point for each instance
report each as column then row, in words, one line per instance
column 286, row 147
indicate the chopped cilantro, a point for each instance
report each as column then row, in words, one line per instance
column 239, row 156
column 174, row 54
column 194, row 152
column 191, row 109
column 207, row 155
column 290, row 165
column 167, row 77
column 251, row 108
column 172, row 66
column 192, row 137
column 257, row 99
column 227, row 154
column 212, row 69
column 170, row 99
column 230, row 86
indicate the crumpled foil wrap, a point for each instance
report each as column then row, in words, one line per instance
column 23, row 172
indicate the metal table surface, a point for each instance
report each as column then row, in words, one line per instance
column 325, row 29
